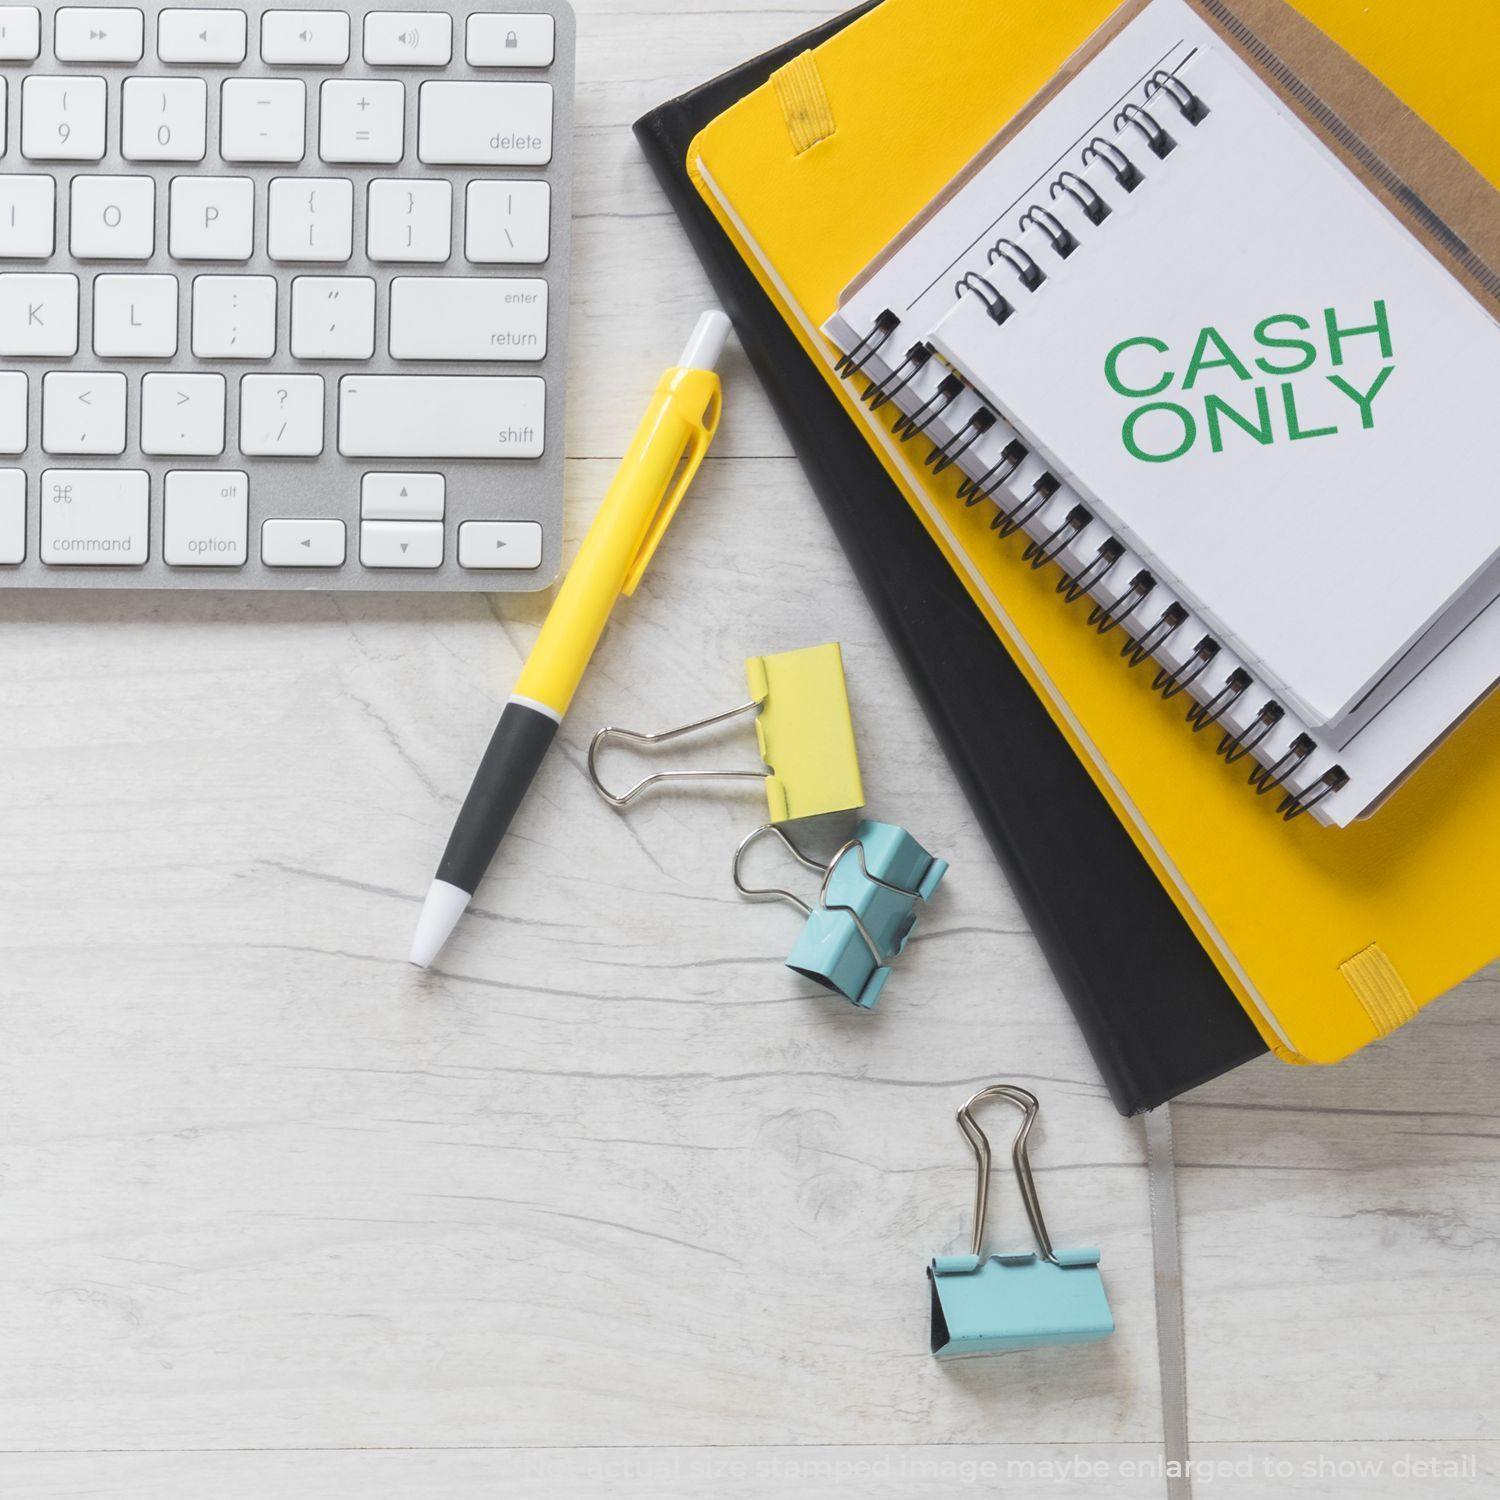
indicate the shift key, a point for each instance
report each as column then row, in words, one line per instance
column 441, row 416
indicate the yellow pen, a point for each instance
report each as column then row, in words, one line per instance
column 641, row 500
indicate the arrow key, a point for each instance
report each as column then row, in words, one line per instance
column 402, row 497
column 401, row 544
column 317, row 543
column 512, row 545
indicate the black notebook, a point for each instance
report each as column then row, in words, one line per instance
column 1156, row 1014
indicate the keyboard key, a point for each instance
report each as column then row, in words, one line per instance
column 205, row 518
column 304, row 36
column 27, row 216
column 12, row 515
column 38, row 314
column 457, row 317
column 412, row 39
column 401, row 544
column 4, row 95
column 212, row 218
column 83, row 412
column 94, row 517
column 441, row 416
column 401, row 497
column 281, row 415
column 510, row 41
column 165, row 119
column 13, row 385
column 508, row 223
column 112, row 218
column 407, row 219
column 20, row 33
column 312, row 218
column 234, row 317
column 263, row 119
column 90, row 34
column 135, row 317
column 333, row 317
column 62, row 119
column 485, row 124
column 182, row 414
column 362, row 122
column 302, row 544
column 201, row 36
column 500, row 544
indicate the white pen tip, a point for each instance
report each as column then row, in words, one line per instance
column 440, row 913
column 707, row 342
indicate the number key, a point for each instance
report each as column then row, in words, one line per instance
column 165, row 119
column 62, row 119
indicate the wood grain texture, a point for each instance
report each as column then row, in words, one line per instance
column 611, row 1185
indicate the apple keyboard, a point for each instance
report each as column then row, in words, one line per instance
column 283, row 295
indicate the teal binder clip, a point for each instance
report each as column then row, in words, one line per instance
column 872, row 891
column 994, row 1304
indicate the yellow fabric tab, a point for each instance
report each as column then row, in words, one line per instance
column 804, row 102
column 1379, row 989
column 805, row 732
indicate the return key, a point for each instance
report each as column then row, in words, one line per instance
column 457, row 317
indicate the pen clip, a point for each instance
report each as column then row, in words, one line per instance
column 704, row 424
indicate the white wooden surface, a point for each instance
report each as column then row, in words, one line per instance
column 612, row 1203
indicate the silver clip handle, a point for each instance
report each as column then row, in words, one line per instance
column 635, row 737
column 1020, row 1160
column 780, row 893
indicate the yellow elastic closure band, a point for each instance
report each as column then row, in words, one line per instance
column 804, row 102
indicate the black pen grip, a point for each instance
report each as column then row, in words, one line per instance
column 515, row 751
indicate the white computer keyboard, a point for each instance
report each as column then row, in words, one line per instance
column 283, row 295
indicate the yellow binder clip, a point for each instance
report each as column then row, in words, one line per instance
column 802, row 726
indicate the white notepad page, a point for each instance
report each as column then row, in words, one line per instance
column 1357, row 529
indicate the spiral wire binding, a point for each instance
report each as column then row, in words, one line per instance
column 877, row 393
column 1170, row 681
column 1064, row 534
column 1294, row 804
column 1236, row 746
column 1137, row 649
column 1104, row 618
column 1267, row 778
column 983, row 288
column 1012, row 456
column 909, row 424
column 1201, row 715
column 1092, row 206
column 1031, row 274
column 944, row 455
column 1193, row 109
column 1081, row 582
column 1121, row 168
column 1064, row 242
column 1008, row 523
column 1162, row 145
column 886, row 323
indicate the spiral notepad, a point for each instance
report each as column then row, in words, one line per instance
column 1181, row 350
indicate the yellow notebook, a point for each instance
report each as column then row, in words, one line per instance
column 1330, row 937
